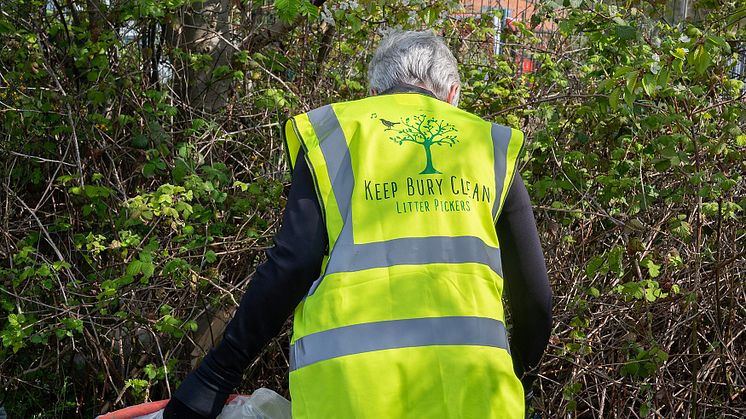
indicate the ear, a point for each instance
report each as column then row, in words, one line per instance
column 453, row 93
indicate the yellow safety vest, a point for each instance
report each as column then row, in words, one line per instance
column 406, row 318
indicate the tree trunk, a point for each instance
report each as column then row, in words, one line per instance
column 429, row 169
column 205, row 29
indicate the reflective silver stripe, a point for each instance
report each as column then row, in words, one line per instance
column 500, row 141
column 415, row 251
column 393, row 334
column 346, row 256
column 336, row 154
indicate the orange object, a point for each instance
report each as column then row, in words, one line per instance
column 145, row 409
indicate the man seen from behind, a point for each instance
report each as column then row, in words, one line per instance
column 406, row 222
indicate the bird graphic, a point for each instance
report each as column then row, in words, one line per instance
column 388, row 124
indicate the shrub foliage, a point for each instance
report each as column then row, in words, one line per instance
column 142, row 178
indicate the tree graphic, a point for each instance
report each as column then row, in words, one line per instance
column 425, row 131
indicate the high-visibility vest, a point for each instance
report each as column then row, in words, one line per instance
column 406, row 318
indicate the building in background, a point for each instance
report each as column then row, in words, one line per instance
column 505, row 14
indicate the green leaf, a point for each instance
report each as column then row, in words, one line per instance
column 7, row 27
column 593, row 266
column 654, row 270
column 615, row 260
column 96, row 97
column 309, row 10
column 719, row 42
column 150, row 371
column 220, row 71
column 678, row 65
column 210, row 256
column 39, row 339
column 663, row 78
column 179, row 171
column 287, row 10
column 140, row 141
column 620, row 71
column 355, row 22
column 134, row 267
column 243, row 186
column 614, row 98
column 737, row 16
column 649, row 83
column 626, row 32
column 124, row 280
column 432, row 16
column 679, row 53
column 629, row 98
column 631, row 78
column 147, row 270
column 702, row 60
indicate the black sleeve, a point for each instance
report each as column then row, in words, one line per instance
column 277, row 287
column 526, row 281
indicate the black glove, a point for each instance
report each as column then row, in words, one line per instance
column 175, row 409
column 195, row 400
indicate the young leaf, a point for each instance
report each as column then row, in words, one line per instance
column 648, row 84
column 653, row 269
column 737, row 16
column 702, row 60
column 287, row 10
column 614, row 98
column 679, row 53
column 626, row 33
column 678, row 65
column 629, row 98
column 134, row 267
column 663, row 78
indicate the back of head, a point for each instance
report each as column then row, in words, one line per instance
column 416, row 58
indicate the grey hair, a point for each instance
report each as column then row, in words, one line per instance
column 416, row 58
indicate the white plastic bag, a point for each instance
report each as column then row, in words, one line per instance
column 263, row 404
column 154, row 415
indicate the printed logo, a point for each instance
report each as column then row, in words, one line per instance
column 425, row 131
column 424, row 194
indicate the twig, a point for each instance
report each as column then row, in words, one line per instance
column 543, row 100
column 49, row 240
column 37, row 158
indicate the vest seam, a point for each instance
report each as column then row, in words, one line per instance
column 316, row 187
column 512, row 177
